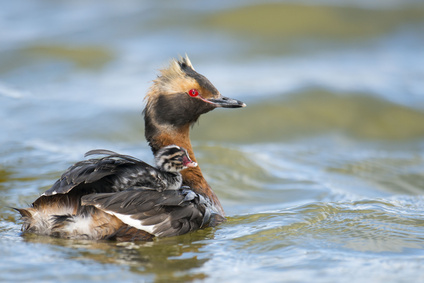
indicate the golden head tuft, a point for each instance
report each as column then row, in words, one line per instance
column 173, row 79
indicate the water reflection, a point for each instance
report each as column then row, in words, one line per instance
column 165, row 260
column 321, row 174
column 370, row 226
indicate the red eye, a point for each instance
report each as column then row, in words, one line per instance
column 193, row 92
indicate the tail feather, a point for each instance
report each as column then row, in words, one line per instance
column 88, row 223
column 24, row 212
column 26, row 217
column 34, row 221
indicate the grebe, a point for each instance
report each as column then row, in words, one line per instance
column 123, row 171
column 116, row 197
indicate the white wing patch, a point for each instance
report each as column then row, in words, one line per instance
column 127, row 219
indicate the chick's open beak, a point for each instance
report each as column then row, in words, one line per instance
column 187, row 162
column 226, row 102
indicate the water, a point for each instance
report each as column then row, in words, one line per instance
column 321, row 176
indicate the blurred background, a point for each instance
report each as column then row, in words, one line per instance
column 322, row 175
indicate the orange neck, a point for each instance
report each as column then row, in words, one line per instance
column 192, row 177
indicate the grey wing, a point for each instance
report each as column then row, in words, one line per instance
column 163, row 214
column 112, row 173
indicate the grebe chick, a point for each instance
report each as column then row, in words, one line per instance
column 171, row 160
column 117, row 172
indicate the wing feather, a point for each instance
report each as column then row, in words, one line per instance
column 162, row 214
column 111, row 173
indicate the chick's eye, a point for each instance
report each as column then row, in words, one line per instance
column 193, row 92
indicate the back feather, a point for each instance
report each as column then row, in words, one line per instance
column 112, row 173
column 162, row 214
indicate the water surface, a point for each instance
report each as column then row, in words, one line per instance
column 321, row 176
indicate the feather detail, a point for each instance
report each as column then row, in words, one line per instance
column 162, row 214
column 112, row 173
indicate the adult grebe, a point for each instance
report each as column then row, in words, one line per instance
column 96, row 198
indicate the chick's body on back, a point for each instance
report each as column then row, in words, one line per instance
column 116, row 172
column 123, row 198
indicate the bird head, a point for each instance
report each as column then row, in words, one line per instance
column 173, row 158
column 180, row 95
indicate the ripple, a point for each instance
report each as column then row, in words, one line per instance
column 372, row 226
column 321, row 175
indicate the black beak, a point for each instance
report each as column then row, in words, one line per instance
column 226, row 102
